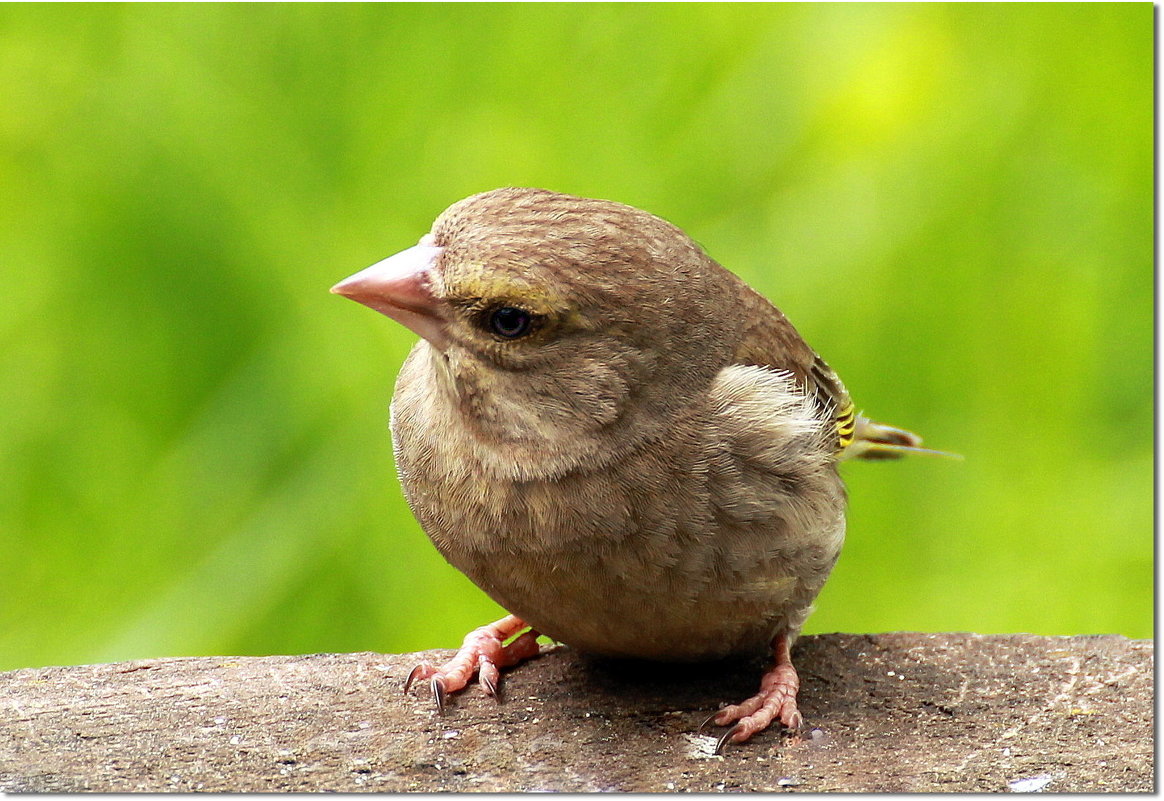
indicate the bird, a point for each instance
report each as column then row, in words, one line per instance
column 623, row 444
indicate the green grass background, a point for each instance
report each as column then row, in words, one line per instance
column 952, row 202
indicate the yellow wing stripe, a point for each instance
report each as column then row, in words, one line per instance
column 846, row 423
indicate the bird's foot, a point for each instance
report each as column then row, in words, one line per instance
column 484, row 652
column 775, row 701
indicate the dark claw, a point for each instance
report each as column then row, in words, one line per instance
column 438, row 693
column 709, row 719
column 724, row 739
column 412, row 677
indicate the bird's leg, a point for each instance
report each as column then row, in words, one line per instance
column 775, row 701
column 484, row 652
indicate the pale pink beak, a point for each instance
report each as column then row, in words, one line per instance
column 400, row 287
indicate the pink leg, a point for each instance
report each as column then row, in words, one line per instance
column 775, row 701
column 484, row 652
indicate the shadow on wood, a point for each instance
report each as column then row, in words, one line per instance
column 891, row 713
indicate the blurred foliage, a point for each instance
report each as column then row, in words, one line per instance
column 954, row 203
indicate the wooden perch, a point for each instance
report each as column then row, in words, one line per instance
column 888, row 713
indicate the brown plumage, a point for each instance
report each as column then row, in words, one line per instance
column 613, row 436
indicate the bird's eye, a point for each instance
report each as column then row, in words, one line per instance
column 510, row 322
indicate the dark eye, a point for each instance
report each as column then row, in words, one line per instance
column 510, row 322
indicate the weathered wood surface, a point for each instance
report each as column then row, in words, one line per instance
column 891, row 712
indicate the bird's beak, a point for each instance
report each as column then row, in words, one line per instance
column 400, row 287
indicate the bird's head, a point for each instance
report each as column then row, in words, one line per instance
column 551, row 318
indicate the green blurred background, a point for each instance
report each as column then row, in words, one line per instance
column 952, row 202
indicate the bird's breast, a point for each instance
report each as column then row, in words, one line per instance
column 646, row 557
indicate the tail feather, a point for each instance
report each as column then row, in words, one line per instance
column 873, row 441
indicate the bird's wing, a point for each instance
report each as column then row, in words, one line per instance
column 772, row 463
column 770, row 340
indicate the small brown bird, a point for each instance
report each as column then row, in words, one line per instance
column 616, row 438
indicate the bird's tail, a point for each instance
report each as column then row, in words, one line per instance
column 872, row 440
